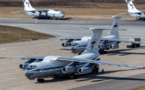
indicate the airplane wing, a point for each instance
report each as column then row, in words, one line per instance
column 41, row 10
column 69, row 59
column 23, row 57
column 96, row 62
column 73, row 38
column 131, row 13
column 20, row 12
column 124, row 13
column 120, row 40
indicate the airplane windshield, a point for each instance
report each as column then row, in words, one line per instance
column 69, row 40
column 39, row 60
column 30, row 60
column 75, row 44
column 77, row 39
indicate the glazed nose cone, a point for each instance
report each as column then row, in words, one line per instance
column 29, row 75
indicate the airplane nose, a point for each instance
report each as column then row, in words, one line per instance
column 72, row 49
column 29, row 75
column 62, row 14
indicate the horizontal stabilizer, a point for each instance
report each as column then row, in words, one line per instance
column 118, row 16
column 67, row 38
column 41, row 10
column 24, row 57
column 92, row 29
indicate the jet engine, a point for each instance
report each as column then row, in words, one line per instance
column 88, row 68
column 114, row 46
column 25, row 64
column 85, row 70
column 67, row 43
column 102, row 46
column 70, row 68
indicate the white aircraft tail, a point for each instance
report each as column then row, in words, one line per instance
column 131, row 7
column 94, row 42
column 27, row 6
column 115, row 26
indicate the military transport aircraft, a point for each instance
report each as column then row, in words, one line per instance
column 111, row 41
column 139, row 15
column 41, row 67
column 42, row 13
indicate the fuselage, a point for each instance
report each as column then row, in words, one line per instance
column 44, row 68
column 138, row 15
column 133, row 11
column 79, row 46
column 50, row 13
column 50, row 66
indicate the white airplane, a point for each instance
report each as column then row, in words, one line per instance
column 139, row 15
column 42, row 13
column 41, row 67
column 111, row 41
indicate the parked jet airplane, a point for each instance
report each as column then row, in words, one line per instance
column 111, row 41
column 139, row 15
column 41, row 67
column 42, row 13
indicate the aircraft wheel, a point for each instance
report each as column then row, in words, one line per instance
column 138, row 45
column 133, row 46
column 54, row 18
column 58, row 18
column 40, row 80
column 96, row 69
column 55, row 77
column 128, row 46
column 71, row 76
column 101, row 51
column 51, row 18
column 80, row 53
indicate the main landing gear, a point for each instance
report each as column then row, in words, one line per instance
column 40, row 80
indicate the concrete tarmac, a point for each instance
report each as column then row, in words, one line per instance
column 114, row 78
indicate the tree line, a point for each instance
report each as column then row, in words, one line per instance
column 77, row 3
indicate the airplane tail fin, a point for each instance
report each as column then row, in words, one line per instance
column 131, row 7
column 27, row 5
column 93, row 44
column 115, row 26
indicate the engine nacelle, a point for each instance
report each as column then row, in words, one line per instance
column 68, row 69
column 66, row 44
column 85, row 70
column 25, row 64
column 102, row 46
column 114, row 46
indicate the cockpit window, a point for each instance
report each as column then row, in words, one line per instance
column 39, row 60
column 30, row 60
column 75, row 44
column 70, row 40
column 77, row 39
